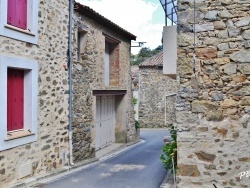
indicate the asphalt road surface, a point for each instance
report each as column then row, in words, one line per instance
column 138, row 167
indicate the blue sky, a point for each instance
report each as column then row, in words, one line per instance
column 143, row 18
column 158, row 15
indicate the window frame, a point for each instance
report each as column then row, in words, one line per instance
column 113, row 44
column 29, row 133
column 31, row 33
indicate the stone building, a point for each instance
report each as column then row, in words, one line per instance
column 103, row 110
column 34, row 102
column 157, row 94
column 135, row 89
column 213, row 112
column 34, row 85
column 135, row 77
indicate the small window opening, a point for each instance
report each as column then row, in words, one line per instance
column 81, row 43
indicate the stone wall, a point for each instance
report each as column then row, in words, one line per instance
column 135, row 77
column 154, row 85
column 88, row 75
column 135, row 89
column 50, row 150
column 213, row 100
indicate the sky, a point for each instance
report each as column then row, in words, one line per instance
column 143, row 18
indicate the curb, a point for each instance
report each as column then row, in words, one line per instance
column 121, row 150
column 48, row 177
column 168, row 182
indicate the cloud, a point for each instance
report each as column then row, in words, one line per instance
column 135, row 16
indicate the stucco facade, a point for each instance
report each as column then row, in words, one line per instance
column 213, row 100
column 92, row 80
column 42, row 52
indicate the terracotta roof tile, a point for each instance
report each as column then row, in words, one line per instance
column 154, row 61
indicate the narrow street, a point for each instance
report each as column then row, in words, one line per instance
column 137, row 167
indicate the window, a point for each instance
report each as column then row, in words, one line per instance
column 17, row 13
column 19, row 20
column 111, row 61
column 15, row 84
column 106, row 63
column 81, row 42
column 18, row 101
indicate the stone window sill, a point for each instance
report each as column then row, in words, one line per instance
column 17, row 134
column 19, row 30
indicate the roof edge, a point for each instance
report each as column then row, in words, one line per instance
column 90, row 13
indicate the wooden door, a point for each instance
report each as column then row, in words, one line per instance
column 105, row 121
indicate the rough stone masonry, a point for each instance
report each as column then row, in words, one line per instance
column 49, row 152
column 88, row 75
column 213, row 103
column 155, row 95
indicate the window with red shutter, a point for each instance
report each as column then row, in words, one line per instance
column 19, row 100
column 17, row 13
column 15, row 96
column 11, row 12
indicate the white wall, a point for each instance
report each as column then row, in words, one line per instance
column 169, row 50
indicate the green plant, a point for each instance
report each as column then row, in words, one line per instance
column 134, row 100
column 169, row 155
column 137, row 124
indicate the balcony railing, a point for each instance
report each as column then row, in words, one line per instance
column 170, row 8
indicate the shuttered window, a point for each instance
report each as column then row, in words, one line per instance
column 107, row 63
column 17, row 13
column 15, row 99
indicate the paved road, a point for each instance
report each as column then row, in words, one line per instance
column 139, row 167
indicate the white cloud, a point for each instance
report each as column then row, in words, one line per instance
column 135, row 16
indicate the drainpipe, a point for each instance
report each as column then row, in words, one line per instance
column 70, row 81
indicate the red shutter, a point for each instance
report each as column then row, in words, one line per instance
column 21, row 9
column 17, row 13
column 11, row 16
column 15, row 95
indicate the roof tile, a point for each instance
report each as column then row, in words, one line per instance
column 154, row 61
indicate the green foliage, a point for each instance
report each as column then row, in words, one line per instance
column 158, row 49
column 144, row 54
column 137, row 124
column 133, row 59
column 134, row 101
column 170, row 151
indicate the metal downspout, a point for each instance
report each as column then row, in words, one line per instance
column 70, row 81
